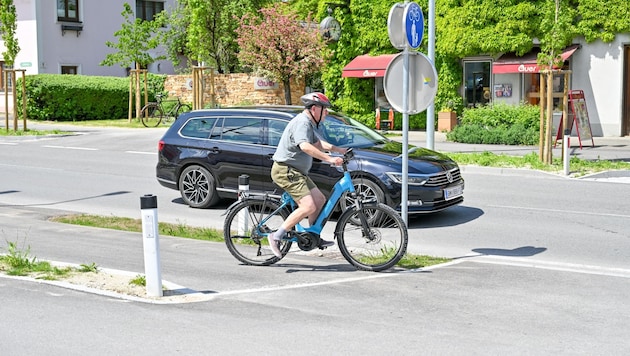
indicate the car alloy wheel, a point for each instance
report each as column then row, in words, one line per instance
column 197, row 187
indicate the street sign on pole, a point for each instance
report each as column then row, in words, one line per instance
column 422, row 88
column 414, row 24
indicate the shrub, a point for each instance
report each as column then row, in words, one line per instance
column 498, row 124
column 77, row 97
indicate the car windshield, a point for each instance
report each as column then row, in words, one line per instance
column 344, row 131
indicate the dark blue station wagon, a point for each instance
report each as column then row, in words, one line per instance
column 205, row 151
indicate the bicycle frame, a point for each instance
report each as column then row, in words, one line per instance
column 342, row 186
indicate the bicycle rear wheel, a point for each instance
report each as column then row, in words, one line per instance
column 377, row 246
column 151, row 115
column 246, row 238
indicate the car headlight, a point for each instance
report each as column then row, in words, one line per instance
column 413, row 179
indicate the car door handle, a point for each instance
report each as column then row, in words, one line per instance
column 215, row 150
column 270, row 156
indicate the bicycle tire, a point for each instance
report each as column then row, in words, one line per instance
column 151, row 115
column 387, row 241
column 183, row 108
column 241, row 235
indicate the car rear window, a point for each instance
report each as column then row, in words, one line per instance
column 199, row 127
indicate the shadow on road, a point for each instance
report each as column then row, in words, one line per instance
column 450, row 217
column 525, row 251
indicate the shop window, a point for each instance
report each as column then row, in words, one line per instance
column 477, row 83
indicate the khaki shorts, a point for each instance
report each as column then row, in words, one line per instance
column 292, row 181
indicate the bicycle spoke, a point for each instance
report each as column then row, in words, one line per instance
column 245, row 236
column 377, row 246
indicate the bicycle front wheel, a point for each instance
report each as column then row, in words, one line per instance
column 151, row 115
column 246, row 228
column 183, row 108
column 376, row 246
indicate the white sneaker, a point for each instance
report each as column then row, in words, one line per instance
column 275, row 246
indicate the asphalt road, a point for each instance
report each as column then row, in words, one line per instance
column 540, row 267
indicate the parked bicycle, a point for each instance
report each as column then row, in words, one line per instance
column 154, row 113
column 370, row 235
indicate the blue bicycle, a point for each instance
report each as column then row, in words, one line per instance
column 370, row 235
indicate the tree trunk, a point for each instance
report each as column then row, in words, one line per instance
column 287, row 91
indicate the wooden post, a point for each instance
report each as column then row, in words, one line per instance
column 541, row 142
column 6, row 99
column 132, row 73
column 565, row 106
column 548, row 156
column 137, row 92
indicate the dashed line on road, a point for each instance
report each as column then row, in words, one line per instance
column 72, row 148
column 141, row 152
column 560, row 211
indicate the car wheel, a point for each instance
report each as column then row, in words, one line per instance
column 197, row 187
column 367, row 190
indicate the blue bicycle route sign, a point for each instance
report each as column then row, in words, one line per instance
column 414, row 24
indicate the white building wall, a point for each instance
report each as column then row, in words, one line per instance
column 46, row 49
column 598, row 70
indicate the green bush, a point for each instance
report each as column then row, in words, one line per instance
column 498, row 124
column 78, row 98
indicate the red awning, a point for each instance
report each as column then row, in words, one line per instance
column 366, row 66
column 510, row 63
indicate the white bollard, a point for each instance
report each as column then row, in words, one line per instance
column 151, row 243
column 243, row 192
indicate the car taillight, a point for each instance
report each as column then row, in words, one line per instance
column 160, row 146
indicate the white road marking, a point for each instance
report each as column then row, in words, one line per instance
column 561, row 211
column 72, row 148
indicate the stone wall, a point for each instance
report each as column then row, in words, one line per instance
column 233, row 89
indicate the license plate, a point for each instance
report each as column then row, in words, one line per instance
column 453, row 192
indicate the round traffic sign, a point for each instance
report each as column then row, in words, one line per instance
column 422, row 82
column 414, row 24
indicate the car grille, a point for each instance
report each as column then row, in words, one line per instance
column 444, row 178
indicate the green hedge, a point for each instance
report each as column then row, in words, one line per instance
column 78, row 98
column 498, row 124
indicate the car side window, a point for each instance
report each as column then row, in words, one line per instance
column 243, row 130
column 199, row 127
column 275, row 130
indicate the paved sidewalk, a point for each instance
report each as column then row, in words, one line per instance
column 604, row 148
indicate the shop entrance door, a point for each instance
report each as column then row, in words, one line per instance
column 476, row 83
column 625, row 119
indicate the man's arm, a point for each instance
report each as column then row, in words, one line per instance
column 314, row 151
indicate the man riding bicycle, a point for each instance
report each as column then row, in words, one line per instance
column 301, row 142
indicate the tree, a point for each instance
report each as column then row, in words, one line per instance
column 135, row 39
column 204, row 31
column 8, row 26
column 279, row 46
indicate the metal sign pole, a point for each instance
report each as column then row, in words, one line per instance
column 404, row 202
column 431, row 108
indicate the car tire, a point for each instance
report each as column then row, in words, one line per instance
column 366, row 188
column 197, row 187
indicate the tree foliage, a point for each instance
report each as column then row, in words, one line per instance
column 204, row 31
column 135, row 39
column 279, row 46
column 463, row 28
column 8, row 26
